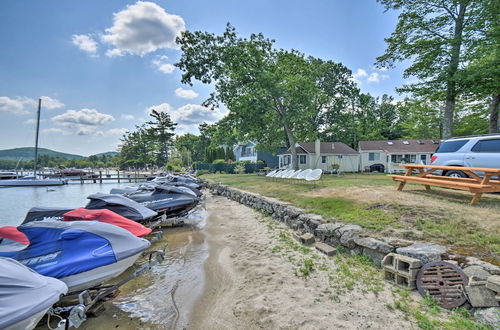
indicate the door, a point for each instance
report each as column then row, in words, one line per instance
column 485, row 153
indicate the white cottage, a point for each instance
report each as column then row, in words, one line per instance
column 386, row 156
column 322, row 155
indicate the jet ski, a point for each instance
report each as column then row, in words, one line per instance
column 188, row 180
column 107, row 216
column 25, row 295
column 46, row 213
column 164, row 199
column 82, row 254
column 121, row 205
column 151, row 186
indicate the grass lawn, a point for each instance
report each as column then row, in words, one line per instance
column 371, row 200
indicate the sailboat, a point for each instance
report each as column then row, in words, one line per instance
column 31, row 181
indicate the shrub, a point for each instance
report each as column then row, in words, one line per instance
column 219, row 161
column 240, row 169
column 201, row 172
column 267, row 168
column 335, row 166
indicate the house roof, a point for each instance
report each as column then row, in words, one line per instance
column 423, row 145
column 337, row 148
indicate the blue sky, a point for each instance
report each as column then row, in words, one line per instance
column 100, row 65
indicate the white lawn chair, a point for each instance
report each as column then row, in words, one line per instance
column 270, row 174
column 315, row 175
column 302, row 175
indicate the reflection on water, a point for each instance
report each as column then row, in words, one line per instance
column 162, row 298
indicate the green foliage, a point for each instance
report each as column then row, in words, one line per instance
column 201, row 172
column 272, row 94
column 219, row 161
column 239, row 169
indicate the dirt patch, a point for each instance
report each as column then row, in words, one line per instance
column 255, row 280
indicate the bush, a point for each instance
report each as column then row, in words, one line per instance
column 201, row 172
column 239, row 169
column 219, row 161
column 267, row 168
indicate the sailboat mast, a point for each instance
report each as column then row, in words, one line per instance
column 37, row 131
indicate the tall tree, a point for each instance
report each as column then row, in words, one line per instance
column 161, row 130
column 436, row 36
column 271, row 92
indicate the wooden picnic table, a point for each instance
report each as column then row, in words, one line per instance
column 475, row 183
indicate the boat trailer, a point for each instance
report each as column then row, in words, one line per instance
column 90, row 301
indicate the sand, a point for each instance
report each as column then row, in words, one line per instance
column 249, row 285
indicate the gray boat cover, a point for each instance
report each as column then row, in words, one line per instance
column 46, row 213
column 24, row 292
column 120, row 204
column 123, row 242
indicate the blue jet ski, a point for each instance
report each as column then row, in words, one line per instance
column 82, row 254
column 25, row 295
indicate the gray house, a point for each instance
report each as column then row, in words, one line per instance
column 247, row 151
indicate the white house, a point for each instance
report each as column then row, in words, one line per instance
column 322, row 155
column 386, row 156
column 246, row 151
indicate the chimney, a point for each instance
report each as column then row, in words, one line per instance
column 317, row 151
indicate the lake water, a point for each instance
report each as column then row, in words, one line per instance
column 15, row 202
column 162, row 298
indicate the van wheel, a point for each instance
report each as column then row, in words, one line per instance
column 456, row 174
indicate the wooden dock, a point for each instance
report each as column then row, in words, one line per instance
column 118, row 177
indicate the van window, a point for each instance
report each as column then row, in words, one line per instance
column 451, row 146
column 487, row 146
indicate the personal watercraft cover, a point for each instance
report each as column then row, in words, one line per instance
column 46, row 213
column 107, row 216
column 166, row 199
column 122, row 205
column 59, row 248
column 24, row 293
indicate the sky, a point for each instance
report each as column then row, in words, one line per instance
column 100, row 66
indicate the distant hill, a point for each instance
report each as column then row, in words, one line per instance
column 109, row 153
column 29, row 153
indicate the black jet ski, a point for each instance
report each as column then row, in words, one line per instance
column 46, row 213
column 187, row 180
column 121, row 205
column 151, row 187
column 168, row 200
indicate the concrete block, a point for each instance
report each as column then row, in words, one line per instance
column 307, row 239
column 389, row 261
column 296, row 236
column 390, row 276
column 326, row 249
column 493, row 283
column 405, row 282
column 481, row 296
column 476, row 271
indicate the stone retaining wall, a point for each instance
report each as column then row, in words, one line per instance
column 350, row 236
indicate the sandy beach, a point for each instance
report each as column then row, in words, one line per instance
column 254, row 280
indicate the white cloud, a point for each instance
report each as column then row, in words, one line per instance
column 117, row 131
column 142, row 28
column 83, row 122
column 189, row 116
column 86, row 43
column 159, row 63
column 186, row 93
column 50, row 103
column 128, row 117
column 54, row 130
column 375, row 77
column 18, row 105
column 360, row 73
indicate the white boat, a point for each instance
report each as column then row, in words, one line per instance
column 33, row 181
column 8, row 175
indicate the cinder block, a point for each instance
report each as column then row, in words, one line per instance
column 405, row 263
column 493, row 283
column 296, row 236
column 389, row 261
column 307, row 239
column 326, row 249
column 390, row 276
column 405, row 282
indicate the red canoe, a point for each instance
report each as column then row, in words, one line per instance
column 107, row 216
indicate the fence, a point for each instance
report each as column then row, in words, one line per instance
column 228, row 168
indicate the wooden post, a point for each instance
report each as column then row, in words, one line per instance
column 81, row 178
column 118, row 174
column 100, row 176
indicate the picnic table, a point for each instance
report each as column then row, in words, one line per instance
column 476, row 184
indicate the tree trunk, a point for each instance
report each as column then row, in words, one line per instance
column 291, row 140
column 451, row 92
column 495, row 101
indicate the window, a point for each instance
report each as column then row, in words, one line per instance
column 396, row 158
column 286, row 159
column 487, row 146
column 451, row 146
column 373, row 156
column 302, row 159
column 323, row 159
column 410, row 158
